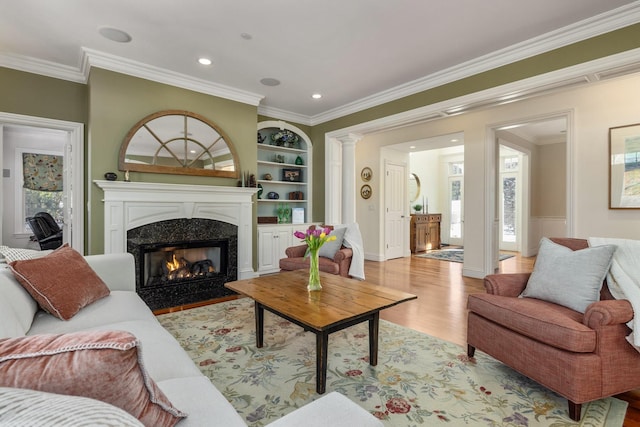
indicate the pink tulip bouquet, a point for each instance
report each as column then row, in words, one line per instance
column 314, row 240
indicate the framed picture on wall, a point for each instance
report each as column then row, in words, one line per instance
column 624, row 167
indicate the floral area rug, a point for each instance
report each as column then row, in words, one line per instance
column 419, row 380
column 453, row 255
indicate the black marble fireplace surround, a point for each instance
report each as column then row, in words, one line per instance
column 182, row 233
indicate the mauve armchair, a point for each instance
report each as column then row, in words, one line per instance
column 339, row 264
column 582, row 357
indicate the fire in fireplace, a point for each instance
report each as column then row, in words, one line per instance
column 173, row 263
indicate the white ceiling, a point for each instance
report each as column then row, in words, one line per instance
column 351, row 51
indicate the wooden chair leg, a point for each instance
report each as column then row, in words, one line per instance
column 471, row 350
column 575, row 410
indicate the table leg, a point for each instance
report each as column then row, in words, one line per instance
column 322, row 344
column 373, row 338
column 259, row 325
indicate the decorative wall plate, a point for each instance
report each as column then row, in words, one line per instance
column 365, row 191
column 366, row 174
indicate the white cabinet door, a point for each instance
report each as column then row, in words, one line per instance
column 272, row 243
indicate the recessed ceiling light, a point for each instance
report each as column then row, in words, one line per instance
column 114, row 34
column 316, row 96
column 454, row 140
column 269, row 81
column 246, row 36
column 204, row 61
column 412, row 147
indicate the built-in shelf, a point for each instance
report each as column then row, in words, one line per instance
column 278, row 158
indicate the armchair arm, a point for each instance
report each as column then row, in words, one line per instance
column 607, row 312
column 508, row 285
column 296, row 251
column 343, row 254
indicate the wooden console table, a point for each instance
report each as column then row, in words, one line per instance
column 425, row 232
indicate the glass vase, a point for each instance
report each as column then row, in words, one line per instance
column 314, row 272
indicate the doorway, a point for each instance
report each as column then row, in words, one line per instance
column 72, row 198
column 532, row 184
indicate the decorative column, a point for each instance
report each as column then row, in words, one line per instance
column 349, row 190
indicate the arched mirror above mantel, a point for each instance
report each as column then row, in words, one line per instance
column 178, row 142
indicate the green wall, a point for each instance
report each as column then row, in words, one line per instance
column 35, row 95
column 117, row 102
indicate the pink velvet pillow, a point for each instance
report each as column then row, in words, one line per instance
column 102, row 365
column 62, row 282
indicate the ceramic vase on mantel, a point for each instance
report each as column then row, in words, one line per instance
column 314, row 271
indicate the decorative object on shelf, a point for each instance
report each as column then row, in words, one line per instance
column 284, row 213
column 273, row 195
column 297, row 216
column 365, row 191
column 252, row 181
column 260, row 190
column 126, row 176
column 296, row 195
column 110, row 176
column 299, row 161
column 278, row 158
column 260, row 139
column 314, row 240
column 291, row 175
column 267, row 177
column 285, row 138
column 417, row 208
column 366, row 174
column 267, row 220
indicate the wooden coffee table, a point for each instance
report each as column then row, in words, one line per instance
column 341, row 303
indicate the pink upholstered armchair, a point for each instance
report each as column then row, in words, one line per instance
column 339, row 264
column 582, row 357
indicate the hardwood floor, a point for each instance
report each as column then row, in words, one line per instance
column 440, row 309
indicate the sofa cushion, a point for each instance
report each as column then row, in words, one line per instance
column 17, row 308
column 569, row 278
column 24, row 407
column 106, row 366
column 203, row 402
column 118, row 307
column 329, row 249
column 546, row 322
column 62, row 282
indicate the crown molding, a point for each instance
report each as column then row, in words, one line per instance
column 597, row 25
column 44, row 68
column 583, row 74
column 288, row 116
column 94, row 58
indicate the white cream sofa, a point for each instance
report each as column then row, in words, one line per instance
column 166, row 362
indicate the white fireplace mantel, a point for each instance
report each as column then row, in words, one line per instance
column 129, row 205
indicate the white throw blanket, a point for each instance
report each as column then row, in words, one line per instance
column 623, row 278
column 353, row 240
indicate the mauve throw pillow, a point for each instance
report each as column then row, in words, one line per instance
column 102, row 365
column 62, row 282
column 569, row 278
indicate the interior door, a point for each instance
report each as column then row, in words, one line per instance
column 395, row 185
column 456, row 209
